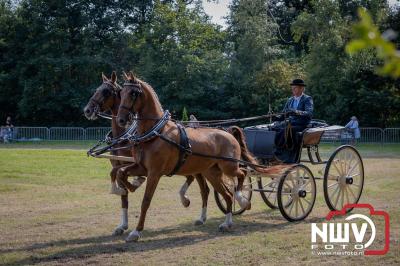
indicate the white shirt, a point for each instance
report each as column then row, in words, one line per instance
column 296, row 101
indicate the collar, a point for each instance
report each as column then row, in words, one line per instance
column 298, row 98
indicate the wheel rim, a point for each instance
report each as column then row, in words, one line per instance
column 272, row 188
column 344, row 178
column 298, row 193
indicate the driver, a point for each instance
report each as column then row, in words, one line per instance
column 299, row 110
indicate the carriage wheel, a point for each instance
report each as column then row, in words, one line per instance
column 269, row 197
column 296, row 193
column 246, row 192
column 343, row 178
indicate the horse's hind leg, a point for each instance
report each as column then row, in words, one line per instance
column 233, row 171
column 182, row 192
column 204, row 191
column 243, row 202
column 214, row 176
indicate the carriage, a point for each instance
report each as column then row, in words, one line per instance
column 294, row 191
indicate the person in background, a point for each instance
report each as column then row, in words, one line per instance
column 354, row 129
column 9, row 129
column 193, row 121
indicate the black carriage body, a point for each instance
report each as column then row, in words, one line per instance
column 260, row 141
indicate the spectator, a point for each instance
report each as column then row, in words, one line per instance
column 9, row 129
column 193, row 121
column 352, row 127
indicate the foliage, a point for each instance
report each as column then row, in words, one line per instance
column 52, row 54
column 185, row 116
column 368, row 36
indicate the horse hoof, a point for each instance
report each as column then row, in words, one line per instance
column 225, row 227
column 118, row 231
column 118, row 191
column 199, row 222
column 185, row 202
column 133, row 236
column 248, row 206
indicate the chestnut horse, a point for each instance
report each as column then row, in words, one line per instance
column 157, row 157
column 107, row 98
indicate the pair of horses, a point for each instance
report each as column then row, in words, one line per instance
column 158, row 156
column 107, row 98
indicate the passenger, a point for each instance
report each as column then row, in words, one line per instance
column 299, row 111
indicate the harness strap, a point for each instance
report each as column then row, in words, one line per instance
column 184, row 149
column 190, row 152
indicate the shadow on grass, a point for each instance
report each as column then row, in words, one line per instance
column 163, row 238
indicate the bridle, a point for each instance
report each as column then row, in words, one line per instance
column 137, row 91
column 114, row 91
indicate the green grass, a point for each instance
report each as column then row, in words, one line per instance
column 55, row 209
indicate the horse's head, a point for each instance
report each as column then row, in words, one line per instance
column 103, row 98
column 131, row 101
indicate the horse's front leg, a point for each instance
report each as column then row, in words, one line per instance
column 151, row 185
column 119, row 230
column 131, row 170
column 115, row 189
column 182, row 192
column 204, row 191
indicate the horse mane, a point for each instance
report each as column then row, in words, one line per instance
column 152, row 91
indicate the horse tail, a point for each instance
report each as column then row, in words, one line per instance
column 246, row 155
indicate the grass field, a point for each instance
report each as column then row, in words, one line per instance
column 55, row 209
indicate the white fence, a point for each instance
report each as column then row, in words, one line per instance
column 368, row 134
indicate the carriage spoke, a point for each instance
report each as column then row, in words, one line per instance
column 301, row 205
column 352, row 169
column 291, row 204
column 333, row 177
column 334, row 192
column 290, row 177
column 347, row 195
column 309, row 203
column 350, row 162
column 334, row 184
column 342, row 198
column 337, row 198
column 351, row 192
column 296, row 208
column 337, row 169
column 306, row 184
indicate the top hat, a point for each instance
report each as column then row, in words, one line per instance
column 298, row 82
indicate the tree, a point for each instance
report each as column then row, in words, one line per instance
column 182, row 57
column 337, row 81
column 252, row 48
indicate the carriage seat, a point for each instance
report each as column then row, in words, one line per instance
column 313, row 133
